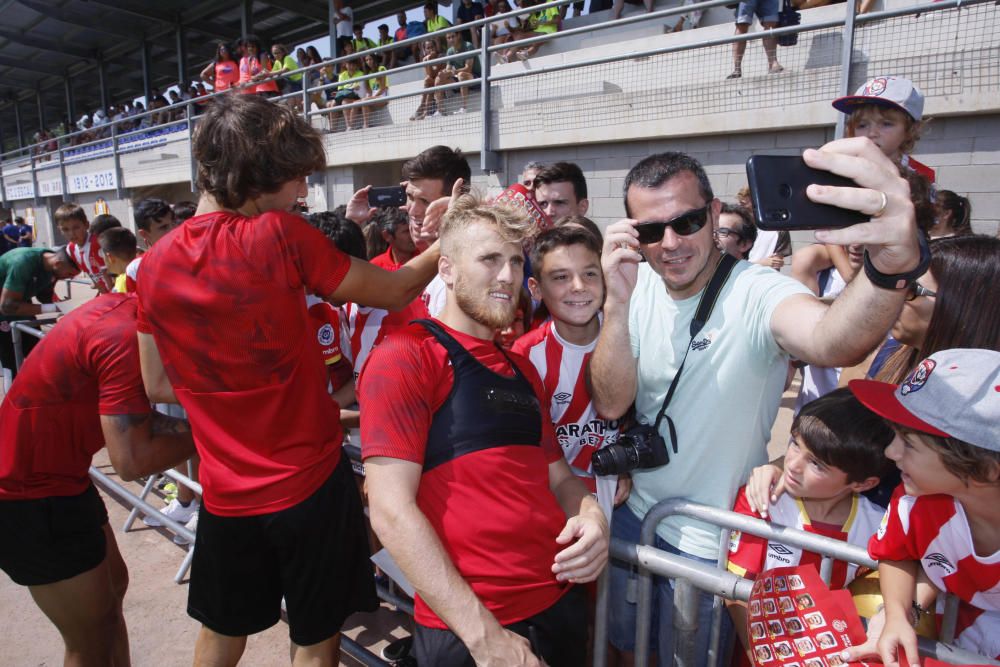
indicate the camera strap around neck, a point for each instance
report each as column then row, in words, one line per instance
column 701, row 315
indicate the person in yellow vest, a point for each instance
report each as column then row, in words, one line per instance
column 435, row 22
column 347, row 93
column 377, row 88
column 543, row 22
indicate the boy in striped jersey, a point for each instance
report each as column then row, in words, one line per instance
column 569, row 281
column 836, row 453
column 943, row 525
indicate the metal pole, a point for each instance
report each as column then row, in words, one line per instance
column 18, row 342
column 846, row 63
column 685, row 623
column 117, row 159
column 147, row 82
column 331, row 26
column 950, row 619
column 192, row 165
column 601, row 619
column 360, row 653
column 246, row 17
column 488, row 160
column 133, row 500
column 70, row 103
column 17, row 122
column 181, row 56
column 134, row 514
column 41, row 108
column 102, row 79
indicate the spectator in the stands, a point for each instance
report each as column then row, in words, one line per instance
column 361, row 43
column 25, row 233
column 619, row 5
column 376, row 88
column 343, row 17
column 283, row 64
column 735, row 232
column 9, row 236
column 427, row 105
column 402, row 54
column 346, row 94
column 767, row 12
column 468, row 11
column 542, row 22
column 688, row 21
column 249, row 64
column 434, row 22
column 491, row 7
column 457, row 70
column 503, row 31
column 954, row 215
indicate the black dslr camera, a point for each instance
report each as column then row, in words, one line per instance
column 639, row 447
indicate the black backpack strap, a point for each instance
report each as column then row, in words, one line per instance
column 701, row 315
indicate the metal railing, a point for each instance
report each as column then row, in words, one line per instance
column 721, row 583
column 38, row 156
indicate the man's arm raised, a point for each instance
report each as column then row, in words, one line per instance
column 842, row 333
column 612, row 372
column 410, row 538
column 372, row 286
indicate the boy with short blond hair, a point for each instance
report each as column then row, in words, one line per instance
column 945, row 520
column 837, row 452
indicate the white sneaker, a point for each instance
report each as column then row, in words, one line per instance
column 460, row 110
column 191, row 525
column 175, row 511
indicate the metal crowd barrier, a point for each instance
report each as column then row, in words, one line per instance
column 690, row 575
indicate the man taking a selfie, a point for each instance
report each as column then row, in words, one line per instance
column 736, row 364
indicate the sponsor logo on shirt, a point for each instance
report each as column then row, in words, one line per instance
column 938, row 560
column 780, row 553
column 704, row 343
column 593, row 433
column 562, row 398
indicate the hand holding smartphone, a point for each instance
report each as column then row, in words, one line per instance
column 778, row 190
column 391, row 195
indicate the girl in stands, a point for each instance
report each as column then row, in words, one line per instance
column 224, row 72
column 250, row 65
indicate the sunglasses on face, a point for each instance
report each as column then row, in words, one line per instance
column 916, row 289
column 683, row 225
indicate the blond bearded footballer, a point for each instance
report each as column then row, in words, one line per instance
column 224, row 331
column 468, row 488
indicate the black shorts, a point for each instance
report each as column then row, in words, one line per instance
column 51, row 539
column 315, row 554
column 558, row 634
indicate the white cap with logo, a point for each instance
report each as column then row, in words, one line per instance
column 893, row 92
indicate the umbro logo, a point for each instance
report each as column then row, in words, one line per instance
column 938, row 560
column 563, row 397
column 780, row 549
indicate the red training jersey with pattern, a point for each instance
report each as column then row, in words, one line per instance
column 223, row 297
column 492, row 509
column 330, row 327
column 50, row 428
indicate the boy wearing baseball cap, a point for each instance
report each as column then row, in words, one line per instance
column 946, row 518
column 888, row 110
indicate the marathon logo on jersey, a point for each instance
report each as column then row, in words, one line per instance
column 780, row 553
column 704, row 343
column 595, row 433
column 918, row 378
column 325, row 334
column 938, row 560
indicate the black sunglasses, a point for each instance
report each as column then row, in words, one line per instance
column 683, row 225
column 916, row 289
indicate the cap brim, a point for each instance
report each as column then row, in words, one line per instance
column 880, row 398
column 850, row 104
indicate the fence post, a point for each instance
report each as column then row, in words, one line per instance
column 488, row 160
column 685, row 623
column 601, row 619
column 846, row 61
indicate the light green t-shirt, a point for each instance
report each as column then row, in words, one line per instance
column 288, row 62
column 725, row 402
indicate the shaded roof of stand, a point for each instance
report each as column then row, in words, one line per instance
column 45, row 42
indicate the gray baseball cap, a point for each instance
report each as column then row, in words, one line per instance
column 953, row 393
column 893, row 92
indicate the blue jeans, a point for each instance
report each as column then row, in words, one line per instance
column 622, row 612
